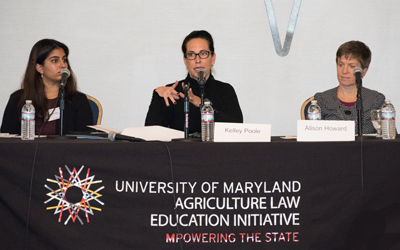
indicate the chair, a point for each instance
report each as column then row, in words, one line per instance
column 304, row 108
column 97, row 110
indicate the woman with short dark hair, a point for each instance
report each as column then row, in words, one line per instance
column 339, row 103
column 198, row 52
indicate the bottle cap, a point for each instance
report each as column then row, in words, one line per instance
column 28, row 101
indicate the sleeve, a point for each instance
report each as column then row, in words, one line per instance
column 376, row 100
column 320, row 101
column 379, row 101
column 83, row 115
column 158, row 113
column 11, row 119
column 229, row 110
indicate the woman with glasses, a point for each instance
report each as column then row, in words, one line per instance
column 167, row 105
column 41, row 85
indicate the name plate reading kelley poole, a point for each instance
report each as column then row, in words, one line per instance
column 241, row 132
column 318, row 130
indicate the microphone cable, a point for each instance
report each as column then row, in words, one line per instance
column 45, row 120
column 362, row 169
column 357, row 72
column 174, row 193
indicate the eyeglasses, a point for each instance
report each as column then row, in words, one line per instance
column 204, row 54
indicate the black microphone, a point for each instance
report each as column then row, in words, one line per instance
column 64, row 76
column 113, row 136
column 186, row 108
column 201, row 79
column 186, row 87
column 201, row 76
column 357, row 72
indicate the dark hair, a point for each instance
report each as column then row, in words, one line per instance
column 199, row 34
column 32, row 82
column 357, row 50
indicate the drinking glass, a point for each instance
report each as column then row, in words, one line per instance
column 376, row 118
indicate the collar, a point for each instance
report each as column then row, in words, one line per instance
column 332, row 101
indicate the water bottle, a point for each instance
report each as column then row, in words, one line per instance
column 207, row 122
column 314, row 111
column 388, row 120
column 28, row 121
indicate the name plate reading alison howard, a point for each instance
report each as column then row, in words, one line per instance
column 241, row 132
column 308, row 130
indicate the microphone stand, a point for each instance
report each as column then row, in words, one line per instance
column 62, row 102
column 202, row 87
column 186, row 87
column 62, row 105
column 359, row 106
column 202, row 84
column 186, row 109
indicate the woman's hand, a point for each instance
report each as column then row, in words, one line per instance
column 193, row 99
column 168, row 93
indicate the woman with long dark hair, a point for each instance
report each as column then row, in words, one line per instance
column 41, row 85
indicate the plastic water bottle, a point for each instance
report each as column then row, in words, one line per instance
column 207, row 122
column 388, row 120
column 28, row 121
column 314, row 111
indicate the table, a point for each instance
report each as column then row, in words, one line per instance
column 97, row 194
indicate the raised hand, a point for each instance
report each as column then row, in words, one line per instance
column 193, row 99
column 168, row 93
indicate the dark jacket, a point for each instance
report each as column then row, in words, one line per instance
column 222, row 95
column 77, row 114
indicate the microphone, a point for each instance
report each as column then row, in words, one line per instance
column 201, row 76
column 113, row 136
column 186, row 87
column 201, row 79
column 357, row 72
column 64, row 76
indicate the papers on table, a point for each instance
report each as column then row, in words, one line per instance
column 148, row 133
column 154, row 133
column 7, row 135
column 104, row 128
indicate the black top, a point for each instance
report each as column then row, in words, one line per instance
column 77, row 114
column 222, row 95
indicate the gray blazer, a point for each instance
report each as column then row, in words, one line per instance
column 333, row 109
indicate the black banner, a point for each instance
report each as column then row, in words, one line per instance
column 154, row 195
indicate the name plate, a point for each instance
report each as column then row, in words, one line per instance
column 241, row 132
column 309, row 130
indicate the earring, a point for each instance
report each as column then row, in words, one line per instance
column 41, row 75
